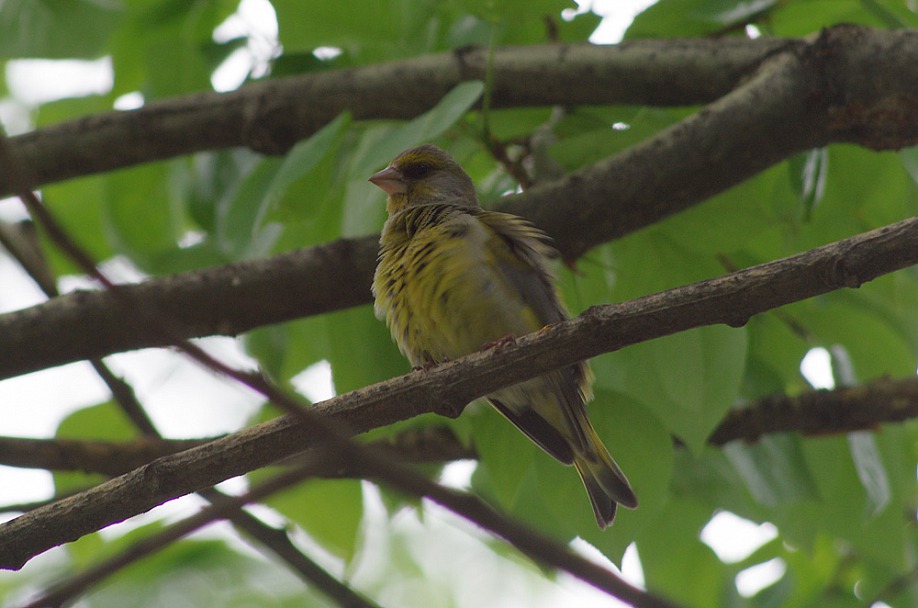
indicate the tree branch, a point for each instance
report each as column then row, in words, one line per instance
column 821, row 412
column 111, row 458
column 227, row 300
column 271, row 115
column 104, row 457
column 802, row 96
column 730, row 299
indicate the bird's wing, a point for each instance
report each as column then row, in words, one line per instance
column 521, row 253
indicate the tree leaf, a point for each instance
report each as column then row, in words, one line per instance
column 330, row 511
column 56, row 29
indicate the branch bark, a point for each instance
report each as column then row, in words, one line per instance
column 270, row 116
column 111, row 458
column 730, row 300
column 866, row 73
column 796, row 95
column 822, row 412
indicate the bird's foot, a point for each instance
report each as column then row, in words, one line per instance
column 427, row 366
column 545, row 328
column 499, row 343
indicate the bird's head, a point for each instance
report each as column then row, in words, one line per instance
column 422, row 176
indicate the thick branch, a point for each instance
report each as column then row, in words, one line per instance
column 272, row 115
column 227, row 300
column 731, row 300
column 804, row 97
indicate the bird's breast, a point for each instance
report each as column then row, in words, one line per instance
column 441, row 293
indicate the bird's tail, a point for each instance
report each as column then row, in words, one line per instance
column 605, row 483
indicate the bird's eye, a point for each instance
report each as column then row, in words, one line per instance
column 418, row 171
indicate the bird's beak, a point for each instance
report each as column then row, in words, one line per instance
column 390, row 180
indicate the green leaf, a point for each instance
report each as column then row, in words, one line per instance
column 801, row 18
column 141, row 218
column 588, row 135
column 79, row 207
column 330, row 511
column 361, row 351
column 165, row 48
column 846, row 509
column 438, row 119
column 56, row 29
column 236, row 234
column 515, row 10
column 711, row 479
column 809, row 173
column 870, row 470
column 643, row 448
column 506, row 458
column 676, row 563
column 909, row 157
column 365, row 30
column 733, row 12
column 875, row 348
column 688, row 380
column 105, row 421
column 71, row 108
column 773, row 469
column 670, row 19
column 304, row 193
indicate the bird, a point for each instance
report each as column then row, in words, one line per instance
column 453, row 278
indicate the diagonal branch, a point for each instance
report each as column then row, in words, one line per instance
column 222, row 507
column 730, row 300
column 841, row 410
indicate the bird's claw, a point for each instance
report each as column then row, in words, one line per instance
column 499, row 343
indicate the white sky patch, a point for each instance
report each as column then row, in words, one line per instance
column 255, row 20
column 458, row 474
column 752, row 580
column 315, row 382
column 816, row 367
column 588, row 597
column 617, row 16
column 129, row 101
column 734, row 538
column 37, row 81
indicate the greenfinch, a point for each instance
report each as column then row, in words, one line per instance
column 453, row 278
